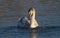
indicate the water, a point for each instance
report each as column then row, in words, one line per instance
column 47, row 15
column 13, row 32
column 8, row 28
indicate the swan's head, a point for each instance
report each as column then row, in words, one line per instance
column 31, row 12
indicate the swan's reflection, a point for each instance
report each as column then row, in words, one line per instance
column 33, row 33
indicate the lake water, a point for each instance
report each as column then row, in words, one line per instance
column 47, row 15
column 8, row 28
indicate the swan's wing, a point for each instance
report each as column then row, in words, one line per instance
column 23, row 22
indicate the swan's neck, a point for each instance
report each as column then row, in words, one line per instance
column 33, row 21
column 33, row 15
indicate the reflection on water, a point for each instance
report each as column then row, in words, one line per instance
column 33, row 33
column 13, row 32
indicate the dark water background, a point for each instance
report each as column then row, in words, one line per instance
column 47, row 15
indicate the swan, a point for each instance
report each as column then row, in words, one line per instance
column 29, row 20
